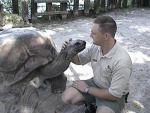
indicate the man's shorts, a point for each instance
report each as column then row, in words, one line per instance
column 116, row 106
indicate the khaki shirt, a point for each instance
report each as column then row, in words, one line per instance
column 110, row 71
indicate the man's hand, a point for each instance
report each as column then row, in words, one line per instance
column 96, row 92
column 66, row 43
column 75, row 60
column 80, row 85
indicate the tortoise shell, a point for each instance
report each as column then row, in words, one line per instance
column 23, row 50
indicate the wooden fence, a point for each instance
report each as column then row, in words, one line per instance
column 90, row 7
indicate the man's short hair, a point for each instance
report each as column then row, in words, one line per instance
column 106, row 24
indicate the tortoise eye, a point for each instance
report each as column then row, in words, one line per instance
column 77, row 43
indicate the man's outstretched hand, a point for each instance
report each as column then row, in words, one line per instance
column 80, row 85
column 66, row 43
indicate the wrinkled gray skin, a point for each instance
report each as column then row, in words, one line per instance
column 61, row 62
column 63, row 59
column 27, row 59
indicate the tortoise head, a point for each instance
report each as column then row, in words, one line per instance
column 74, row 47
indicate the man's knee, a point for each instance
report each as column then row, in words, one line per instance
column 71, row 96
column 66, row 99
column 66, row 96
column 104, row 109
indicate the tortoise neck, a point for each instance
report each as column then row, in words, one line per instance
column 58, row 66
column 64, row 55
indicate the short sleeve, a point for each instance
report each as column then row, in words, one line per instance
column 85, row 55
column 120, row 80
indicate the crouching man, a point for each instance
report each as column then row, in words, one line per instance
column 111, row 66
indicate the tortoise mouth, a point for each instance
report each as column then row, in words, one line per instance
column 81, row 47
column 84, row 45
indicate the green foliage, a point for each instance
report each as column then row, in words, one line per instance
column 130, row 3
column 7, row 5
column 13, row 19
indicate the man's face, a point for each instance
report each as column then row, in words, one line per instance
column 97, row 35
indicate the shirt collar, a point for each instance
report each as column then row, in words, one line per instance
column 111, row 52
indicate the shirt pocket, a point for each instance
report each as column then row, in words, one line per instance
column 107, row 71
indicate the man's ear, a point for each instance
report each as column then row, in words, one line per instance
column 107, row 35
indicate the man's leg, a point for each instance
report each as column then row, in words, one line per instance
column 72, row 96
column 104, row 109
column 105, row 106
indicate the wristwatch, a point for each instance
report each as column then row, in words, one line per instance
column 86, row 90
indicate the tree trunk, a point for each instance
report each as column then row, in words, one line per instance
column 114, row 3
column 138, row 3
column 96, row 6
column 108, row 4
column 119, row 3
column 142, row 3
column 63, row 6
column 124, row 3
column 48, row 7
column 1, row 15
column 133, row 3
column 103, row 4
column 1, row 8
column 25, row 13
column 33, row 10
column 76, row 7
column 111, row 4
column 15, row 8
column 146, row 3
column 86, row 7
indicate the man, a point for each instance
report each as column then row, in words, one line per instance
column 111, row 66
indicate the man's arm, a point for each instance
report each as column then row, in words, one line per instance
column 102, row 93
column 118, row 85
column 76, row 60
column 97, row 92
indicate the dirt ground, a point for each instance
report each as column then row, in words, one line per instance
column 133, row 34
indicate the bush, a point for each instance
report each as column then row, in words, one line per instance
column 13, row 19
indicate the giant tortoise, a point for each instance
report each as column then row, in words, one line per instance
column 28, row 58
